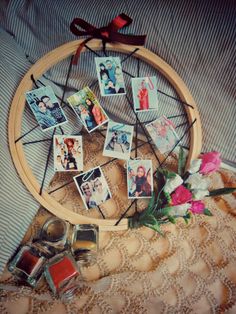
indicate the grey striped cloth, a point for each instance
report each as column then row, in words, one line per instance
column 197, row 38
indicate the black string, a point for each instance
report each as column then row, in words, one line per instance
column 129, row 55
column 61, row 186
column 62, row 132
column 182, row 124
column 177, row 143
column 177, row 99
column 47, row 162
column 32, row 78
column 176, row 116
column 144, row 131
column 103, row 216
column 104, row 47
column 38, row 141
column 123, row 215
column 97, row 54
column 19, row 138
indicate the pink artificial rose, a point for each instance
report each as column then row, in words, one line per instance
column 181, row 196
column 210, row 162
column 197, row 207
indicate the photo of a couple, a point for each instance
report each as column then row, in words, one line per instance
column 45, row 108
column 93, row 187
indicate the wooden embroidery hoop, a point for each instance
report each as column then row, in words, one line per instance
column 17, row 109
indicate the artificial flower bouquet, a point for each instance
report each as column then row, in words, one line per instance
column 180, row 194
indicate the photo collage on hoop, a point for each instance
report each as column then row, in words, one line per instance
column 68, row 149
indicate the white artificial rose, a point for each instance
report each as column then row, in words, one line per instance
column 179, row 210
column 195, row 166
column 173, row 183
column 198, row 182
column 199, row 194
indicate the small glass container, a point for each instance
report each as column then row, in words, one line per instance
column 61, row 272
column 55, row 232
column 84, row 243
column 28, row 264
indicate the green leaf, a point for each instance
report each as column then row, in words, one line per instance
column 181, row 161
column 221, row 191
column 155, row 227
column 186, row 220
column 207, row 212
column 150, row 219
column 172, row 219
column 162, row 212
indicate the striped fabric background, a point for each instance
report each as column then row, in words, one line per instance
column 197, row 38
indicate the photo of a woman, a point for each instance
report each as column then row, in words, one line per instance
column 139, row 178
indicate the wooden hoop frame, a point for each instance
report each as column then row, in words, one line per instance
column 18, row 104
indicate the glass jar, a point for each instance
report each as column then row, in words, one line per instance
column 61, row 273
column 84, row 243
column 55, row 232
column 28, row 264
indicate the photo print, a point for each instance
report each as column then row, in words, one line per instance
column 110, row 76
column 139, row 178
column 144, row 93
column 93, row 187
column 45, row 107
column 163, row 134
column 87, row 107
column 118, row 141
column 68, row 153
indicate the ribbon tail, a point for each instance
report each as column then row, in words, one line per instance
column 136, row 40
column 78, row 51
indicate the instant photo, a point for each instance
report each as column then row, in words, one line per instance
column 163, row 134
column 118, row 140
column 144, row 93
column 93, row 187
column 68, row 153
column 110, row 76
column 87, row 107
column 45, row 107
column 139, row 178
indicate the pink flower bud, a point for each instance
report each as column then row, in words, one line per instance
column 181, row 195
column 210, row 162
column 197, row 207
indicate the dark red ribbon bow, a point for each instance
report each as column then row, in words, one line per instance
column 107, row 33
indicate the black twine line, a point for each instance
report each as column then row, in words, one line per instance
column 145, row 133
column 182, row 124
column 103, row 216
column 190, row 126
column 19, row 138
column 177, row 99
column 61, row 186
column 33, row 80
column 176, row 116
column 129, row 55
column 47, row 163
column 38, row 141
column 123, row 215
